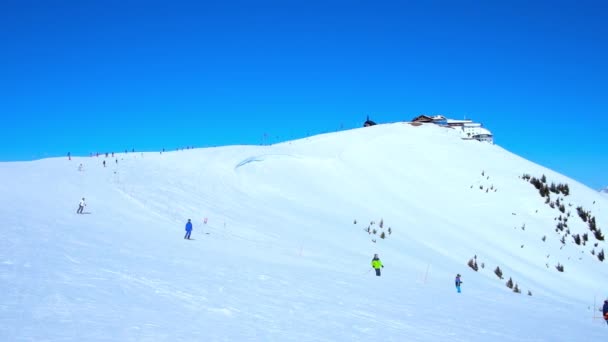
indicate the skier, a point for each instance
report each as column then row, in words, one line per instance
column 104, row 163
column 457, row 282
column 69, row 156
column 605, row 310
column 377, row 264
column 81, row 206
column 188, row 230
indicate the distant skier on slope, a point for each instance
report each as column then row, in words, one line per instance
column 457, row 282
column 81, row 206
column 188, row 230
column 605, row 310
column 377, row 264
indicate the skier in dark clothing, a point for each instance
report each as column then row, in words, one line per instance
column 188, row 230
column 377, row 264
column 605, row 310
column 457, row 282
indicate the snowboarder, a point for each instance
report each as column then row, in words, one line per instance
column 605, row 310
column 81, row 206
column 188, row 230
column 457, row 282
column 377, row 264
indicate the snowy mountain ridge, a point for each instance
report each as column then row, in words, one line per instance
column 285, row 251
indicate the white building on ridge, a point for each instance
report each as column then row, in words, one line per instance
column 469, row 129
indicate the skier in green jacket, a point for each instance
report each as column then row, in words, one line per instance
column 377, row 264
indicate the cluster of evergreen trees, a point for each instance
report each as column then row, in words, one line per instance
column 544, row 189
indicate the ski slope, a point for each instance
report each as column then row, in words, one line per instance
column 281, row 257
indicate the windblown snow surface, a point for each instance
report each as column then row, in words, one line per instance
column 281, row 257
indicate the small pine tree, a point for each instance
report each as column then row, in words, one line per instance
column 516, row 289
column 543, row 179
column 355, row 221
column 390, row 231
column 498, row 272
column 536, row 182
column 529, row 293
column 598, row 235
column 381, row 224
column 382, row 235
column 510, row 283
column 560, row 267
column 374, row 231
column 577, row 239
column 473, row 264
column 582, row 213
column 553, row 188
column 600, row 255
column 544, row 238
column 592, row 225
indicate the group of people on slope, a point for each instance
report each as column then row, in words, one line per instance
column 377, row 266
column 376, row 262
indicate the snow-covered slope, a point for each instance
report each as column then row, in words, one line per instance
column 281, row 257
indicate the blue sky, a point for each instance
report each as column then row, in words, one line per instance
column 97, row 76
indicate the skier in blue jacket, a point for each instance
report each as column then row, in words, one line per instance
column 457, row 282
column 188, row 230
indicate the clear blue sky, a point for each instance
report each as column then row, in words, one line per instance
column 88, row 76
